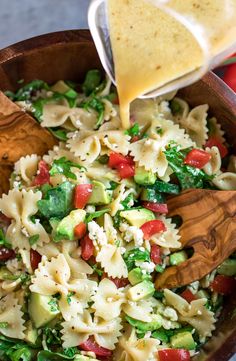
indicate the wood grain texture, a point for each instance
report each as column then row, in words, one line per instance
column 209, row 227
column 68, row 55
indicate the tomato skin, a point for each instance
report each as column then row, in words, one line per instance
column 43, row 175
column 126, row 171
column 188, row 296
column 155, row 254
column 152, row 227
column 135, row 138
column 80, row 230
column 87, row 248
column 156, row 207
column 225, row 285
column 230, row 76
column 91, row 345
column 215, row 142
column 119, row 282
column 197, row 158
column 6, row 254
column 82, row 194
column 174, row 355
column 35, row 259
column 115, row 159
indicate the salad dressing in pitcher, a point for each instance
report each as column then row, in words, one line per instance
column 151, row 47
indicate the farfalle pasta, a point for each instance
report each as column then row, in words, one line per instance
column 85, row 229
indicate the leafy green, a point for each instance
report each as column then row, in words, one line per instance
column 92, row 80
column 52, row 335
column 57, row 202
column 175, row 107
column 189, row 177
column 97, row 270
column 152, row 195
column 145, row 326
column 53, row 356
column 14, row 350
column 33, row 239
column 128, row 202
column 68, row 297
column 70, row 351
column 158, row 295
column 63, row 166
column 135, row 255
column 133, row 131
column 59, row 133
column 3, row 241
column 4, row 324
column 53, row 303
column 168, row 188
column 96, row 214
column 159, row 268
column 97, row 105
column 25, row 92
column 103, row 159
column 161, row 335
column 22, row 354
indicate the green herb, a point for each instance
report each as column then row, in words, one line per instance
column 92, row 80
column 4, row 324
column 68, row 297
column 135, row 255
column 22, row 354
column 159, row 268
column 158, row 295
column 53, row 305
column 52, row 335
column 112, row 185
column 168, row 188
column 33, row 239
column 159, row 130
column 3, row 240
column 98, row 106
column 59, row 133
column 25, row 278
column 70, row 351
column 97, row 270
column 71, row 94
column 57, row 202
column 63, row 166
column 175, row 107
column 161, row 335
column 53, row 356
column 152, row 195
column 128, row 202
column 103, row 159
column 117, row 219
column 189, row 177
column 96, row 214
column 25, row 92
column 134, row 131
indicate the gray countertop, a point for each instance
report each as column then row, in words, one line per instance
column 27, row 18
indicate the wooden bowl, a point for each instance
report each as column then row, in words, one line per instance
column 69, row 55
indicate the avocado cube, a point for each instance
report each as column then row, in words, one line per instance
column 137, row 217
column 5, row 274
column 136, row 276
column 227, row 268
column 40, row 310
column 65, row 228
column 144, row 177
column 183, row 340
column 141, row 290
column 100, row 195
column 178, row 257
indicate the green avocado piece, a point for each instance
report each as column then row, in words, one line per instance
column 227, row 268
column 100, row 195
column 153, row 325
column 178, row 257
column 136, row 276
column 144, row 177
column 137, row 217
column 65, row 228
column 183, row 340
column 40, row 310
column 5, row 274
column 84, row 358
column 142, row 290
column 31, row 333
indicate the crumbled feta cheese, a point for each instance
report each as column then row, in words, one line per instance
column 16, row 184
column 97, row 234
column 148, row 334
column 135, row 234
column 90, row 208
column 164, row 107
column 194, row 286
column 170, row 313
column 123, row 227
column 122, row 250
column 146, row 266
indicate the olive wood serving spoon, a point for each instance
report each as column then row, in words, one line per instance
column 209, row 227
column 20, row 135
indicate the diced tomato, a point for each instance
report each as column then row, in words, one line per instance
column 119, row 282
column 224, row 285
column 6, row 254
column 43, row 175
column 82, row 194
column 115, row 159
column 35, row 259
column 230, row 76
column 126, row 171
column 215, row 142
column 188, row 295
column 155, row 254
column 135, row 138
column 152, row 227
column 80, row 230
column 87, row 248
column 91, row 345
column 156, row 207
column 174, row 355
column 197, row 158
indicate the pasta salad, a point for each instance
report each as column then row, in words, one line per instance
column 85, row 229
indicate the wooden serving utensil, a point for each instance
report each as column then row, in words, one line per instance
column 209, row 227
column 20, row 135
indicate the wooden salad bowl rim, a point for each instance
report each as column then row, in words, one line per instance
column 211, row 90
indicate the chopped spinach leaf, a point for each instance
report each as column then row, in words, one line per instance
column 128, row 202
column 63, row 166
column 33, row 239
column 175, row 107
column 57, row 202
column 92, row 80
column 68, row 297
column 112, row 185
column 103, row 159
column 3, row 241
column 26, row 92
column 135, row 255
column 4, row 324
column 133, row 131
column 97, row 270
column 97, row 105
column 53, row 356
column 168, row 188
column 96, row 214
column 52, row 335
column 59, row 133
column 161, row 335
column 53, row 303
column 158, row 295
column 70, row 351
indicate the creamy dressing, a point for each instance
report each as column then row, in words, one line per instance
column 151, row 48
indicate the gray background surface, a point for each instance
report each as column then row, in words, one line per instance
column 22, row 19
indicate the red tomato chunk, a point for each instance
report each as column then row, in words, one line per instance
column 43, row 175
column 230, row 76
column 156, row 207
column 152, row 227
column 155, row 254
column 215, row 142
column 123, row 164
column 80, row 230
column 225, row 285
column 35, row 259
column 6, row 254
column 174, row 355
column 188, row 296
column 87, row 248
column 197, row 158
column 82, row 194
column 91, row 345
